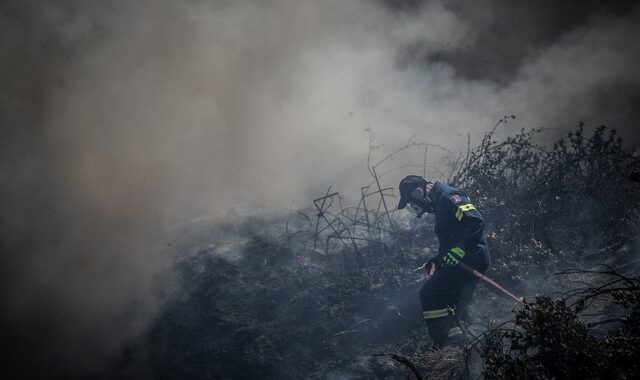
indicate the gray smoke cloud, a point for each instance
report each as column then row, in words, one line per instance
column 122, row 120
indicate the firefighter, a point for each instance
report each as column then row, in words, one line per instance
column 459, row 227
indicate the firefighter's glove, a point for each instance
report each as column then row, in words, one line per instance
column 453, row 257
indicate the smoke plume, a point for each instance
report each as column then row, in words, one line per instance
column 121, row 120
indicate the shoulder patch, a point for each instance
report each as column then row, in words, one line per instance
column 456, row 199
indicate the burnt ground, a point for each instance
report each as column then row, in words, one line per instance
column 288, row 297
column 279, row 313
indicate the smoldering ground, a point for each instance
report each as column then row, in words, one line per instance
column 121, row 120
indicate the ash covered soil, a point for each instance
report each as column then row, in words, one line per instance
column 276, row 312
column 288, row 297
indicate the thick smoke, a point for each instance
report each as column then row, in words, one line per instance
column 123, row 119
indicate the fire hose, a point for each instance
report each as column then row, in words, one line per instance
column 490, row 281
column 477, row 274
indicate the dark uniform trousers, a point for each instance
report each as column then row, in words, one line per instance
column 446, row 294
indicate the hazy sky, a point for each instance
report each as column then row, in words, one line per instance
column 121, row 119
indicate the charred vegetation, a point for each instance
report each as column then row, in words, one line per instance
column 329, row 292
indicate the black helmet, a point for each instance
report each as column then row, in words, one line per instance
column 407, row 185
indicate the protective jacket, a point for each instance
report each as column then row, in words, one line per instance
column 459, row 227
